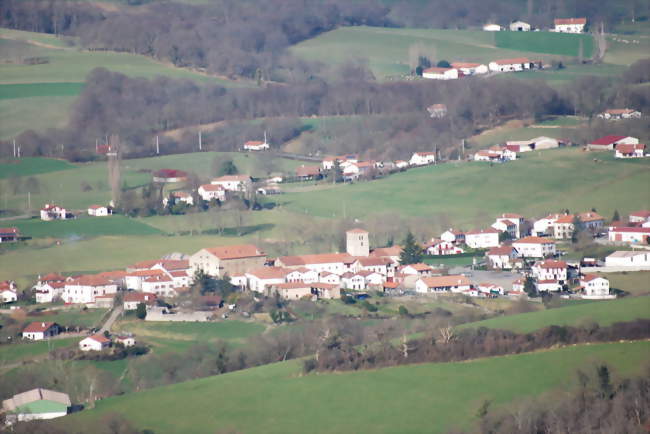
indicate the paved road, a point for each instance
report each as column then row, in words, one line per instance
column 502, row 278
column 111, row 319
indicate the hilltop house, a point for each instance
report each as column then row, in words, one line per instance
column 54, row 212
column 98, row 210
column 608, row 143
column 212, row 191
column 35, row 404
column 9, row 235
column 535, row 247
column 438, row 73
column 231, row 260
column 169, row 176
column 468, row 68
column 437, row 111
column 37, row 331
column 570, row 25
column 617, row 114
column 328, row 162
column 96, row 342
column 453, row 283
column 593, row 286
column 235, row 183
column 422, row 158
column 630, row 151
column 519, row 26
column 482, row 238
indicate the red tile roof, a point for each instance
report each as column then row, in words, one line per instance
column 307, row 170
column 231, row 178
column 445, row 281
column 534, row 240
column 387, row 251
column 270, row 272
column 500, row 251
column 212, row 187
column 482, row 231
column 169, row 173
column 99, row 338
column 9, row 231
column 515, row 61
column 437, row 70
column 632, row 230
column 465, row 65
column 643, row 214
column 357, row 231
column 551, row 263
column 238, row 251
column 622, row 148
column 607, row 140
column 38, row 327
column 52, row 277
column 90, row 280
column 564, row 21
column 323, row 258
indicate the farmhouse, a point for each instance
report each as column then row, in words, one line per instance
column 49, row 287
column 133, row 299
column 8, row 292
column 510, row 65
column 328, row 162
column 95, row 342
column 326, row 291
column 185, row 197
column 630, row 151
column 453, row 236
column 548, row 285
column 438, row 73
column 37, row 331
column 134, row 279
column 393, row 253
column 502, row 257
column 161, row 284
column 330, row 278
column 383, row 266
column 453, row 283
column 628, row 259
column 639, row 217
column 261, row 278
column 490, row 289
column 235, row 183
column 307, row 172
column 550, row 270
column 535, row 247
column 9, row 235
column 468, row 68
column 437, row 247
column 544, row 226
column 629, row 235
column 231, row 260
column 491, row 28
column 54, row 212
column 564, row 227
column 212, row 191
column 517, row 219
column 437, row 111
column 617, row 114
column 98, row 210
column 35, row 404
column 482, row 238
column 337, row 263
column 169, row 175
column 608, row 143
column 84, row 289
column 594, row 286
column 519, row 26
column 355, row 170
column 570, row 25
column 422, row 158
column 256, row 145
column 487, row 155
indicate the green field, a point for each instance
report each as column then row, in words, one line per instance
column 29, row 166
column 637, row 283
column 422, row 398
column 71, row 317
column 601, row 312
column 28, row 90
column 528, row 186
column 13, row 352
column 562, row 44
column 84, row 227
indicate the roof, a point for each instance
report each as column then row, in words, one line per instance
column 231, row 178
column 547, row 281
column 607, row 140
column 180, row 194
column 211, row 187
column 158, row 278
column 34, row 395
column 509, row 215
column 620, row 111
column 507, row 222
column 292, row 285
column 145, row 273
column 38, row 327
column 590, row 277
column 640, row 230
column 356, row 231
column 444, row 281
column 238, row 251
column 323, row 258
column 52, row 277
column 437, row 107
column 99, row 338
column 253, row 143
column 387, row 251
column 564, row 21
column 590, row 216
column 622, row 148
column 90, row 280
column 501, row 250
column 534, row 240
column 465, row 65
column 551, row 263
column 97, row 206
column 418, row 267
column 169, row 173
column 140, row 297
column 626, row 254
column 436, row 69
column 370, row 261
column 516, row 60
column 424, row 154
column 307, row 170
column 270, row 272
column 643, row 213
column 9, row 231
column 482, row 231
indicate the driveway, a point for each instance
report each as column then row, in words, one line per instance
column 117, row 311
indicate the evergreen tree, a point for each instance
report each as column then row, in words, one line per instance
column 411, row 252
column 228, row 168
column 578, row 227
column 529, row 287
column 141, row 311
column 616, row 217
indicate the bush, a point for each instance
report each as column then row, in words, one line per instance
column 347, row 299
column 403, row 311
column 309, row 365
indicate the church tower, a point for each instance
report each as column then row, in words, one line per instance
column 357, row 243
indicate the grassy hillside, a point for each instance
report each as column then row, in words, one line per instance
column 29, row 166
column 602, row 312
column 546, row 42
column 473, row 193
column 84, row 227
column 421, row 398
column 14, row 352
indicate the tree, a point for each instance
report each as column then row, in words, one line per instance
column 529, row 287
column 403, row 311
column 616, row 217
column 336, row 174
column 504, row 236
column 443, row 64
column 411, row 252
column 578, row 227
column 141, row 311
column 228, row 168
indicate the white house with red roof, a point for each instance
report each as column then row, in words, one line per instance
column 422, row 158
column 302, row 274
column 550, row 270
column 617, row 114
column 440, row 73
column 569, row 25
column 490, row 289
column 9, row 235
column 212, row 191
column 635, row 235
column 639, row 216
column 133, row 280
column 133, row 298
column 183, row 197
column 353, row 281
column 84, row 289
column 517, row 219
column 8, row 292
column 506, row 226
column 98, row 211
column 518, row 285
column 256, row 145
column 49, row 287
column 308, row 172
column 594, row 286
column 162, row 285
column 236, row 183
column 453, row 236
column 337, row 263
column 608, row 143
column 502, row 257
column 96, row 342
column 169, row 176
column 329, row 278
column 544, row 226
column 38, row 330
column 482, row 238
column 437, row 247
column 452, row 283
column 630, row 151
column 535, row 247
column 510, row 65
column 234, row 260
column 393, row 253
column 53, row 212
column 415, row 269
column 260, row 279
column 469, row 68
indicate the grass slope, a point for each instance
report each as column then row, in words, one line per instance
column 528, row 186
column 422, row 398
column 14, row 352
column 602, row 312
column 546, row 42
column 29, row 166
column 28, row 90
column 84, row 227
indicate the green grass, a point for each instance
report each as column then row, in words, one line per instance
column 636, row 283
column 30, row 90
column 562, row 121
column 18, row 115
column 505, row 133
column 84, row 227
column 73, row 317
column 470, row 194
column 14, row 352
column 422, row 398
column 602, row 312
column 29, row 166
column 451, row 262
column 562, row 44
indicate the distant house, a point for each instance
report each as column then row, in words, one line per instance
column 169, row 175
column 328, row 162
column 628, row 259
column 37, row 331
column 482, row 238
column 616, row 114
column 401, row 164
column 511, row 65
column 563, row 227
column 416, row 269
column 232, row 260
column 517, row 219
column 126, row 340
column 235, row 183
column 469, row 68
column 453, row 283
column 492, row 28
column 209, row 192
column 180, row 197
column 53, row 212
column 422, row 158
column 630, row 151
column 95, row 342
column 550, row 270
column 307, row 172
column 502, row 257
column 292, row 290
column 543, row 142
column 98, row 210
column 392, row 253
column 8, row 292
column 437, row 247
column 356, row 170
column 608, row 143
column 506, row 226
column 353, row 281
column 437, row 111
column 133, row 299
column 453, row 236
column 49, row 287
column 256, row 145
column 535, row 247
column 637, row 235
column 260, row 279
column 639, row 216
column 520, row 145
column 35, row 404
column 9, row 235
column 520, row 26
column 548, row 285
column 84, row 289
column 490, row 289
column 570, row 25
column 594, row 286
column 438, row 73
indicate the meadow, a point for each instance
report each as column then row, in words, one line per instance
column 12, row 353
column 423, row 398
column 546, row 42
column 601, row 312
column 636, row 283
column 84, row 227
column 29, row 166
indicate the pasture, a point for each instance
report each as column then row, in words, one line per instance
column 11, row 353
column 602, row 312
column 29, row 166
column 562, row 44
column 636, row 283
column 431, row 397
column 84, row 227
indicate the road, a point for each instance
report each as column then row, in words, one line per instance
column 117, row 311
column 502, row 278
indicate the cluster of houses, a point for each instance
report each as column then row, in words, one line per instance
column 623, row 146
column 52, row 211
column 458, row 70
column 560, row 25
column 509, row 151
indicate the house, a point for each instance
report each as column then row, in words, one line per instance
column 520, row 145
column 639, row 217
column 53, row 212
column 519, row 26
column 422, row 158
column 563, row 227
column 491, row 289
column 183, row 197
column 383, row 266
column 234, row 183
column 548, row 285
column 482, row 238
column 98, row 211
column 95, row 342
column 453, row 283
column 630, row 151
column 9, row 235
column 337, row 263
column 437, row 247
column 518, row 285
column 372, row 278
column 628, row 259
column 126, row 340
column 231, row 260
column 169, row 176
column 393, row 253
column 304, row 274
column 594, row 286
column 502, row 257
column 292, row 290
column 616, row 114
column 506, row 226
column 487, row 155
column 356, row 170
column 49, row 287
column 353, row 281
column 492, row 28
column 550, row 270
column 35, row 404
column 133, row 299
column 326, row 291
column 134, row 279
column 453, row 236
column 261, row 278
column 209, row 192
column 542, row 142
column 569, row 25
column 534, row 247
column 256, row 145
column 416, row 270
column 437, row 73
column 608, row 143
column 308, row 172
column 468, row 68
column 510, row 65
column 84, row 289
column 330, row 278
column 8, row 291
column 517, row 219
column 437, row 111
column 161, row 284
column 544, row 226
column 37, row 331
column 343, row 160
column 637, row 235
